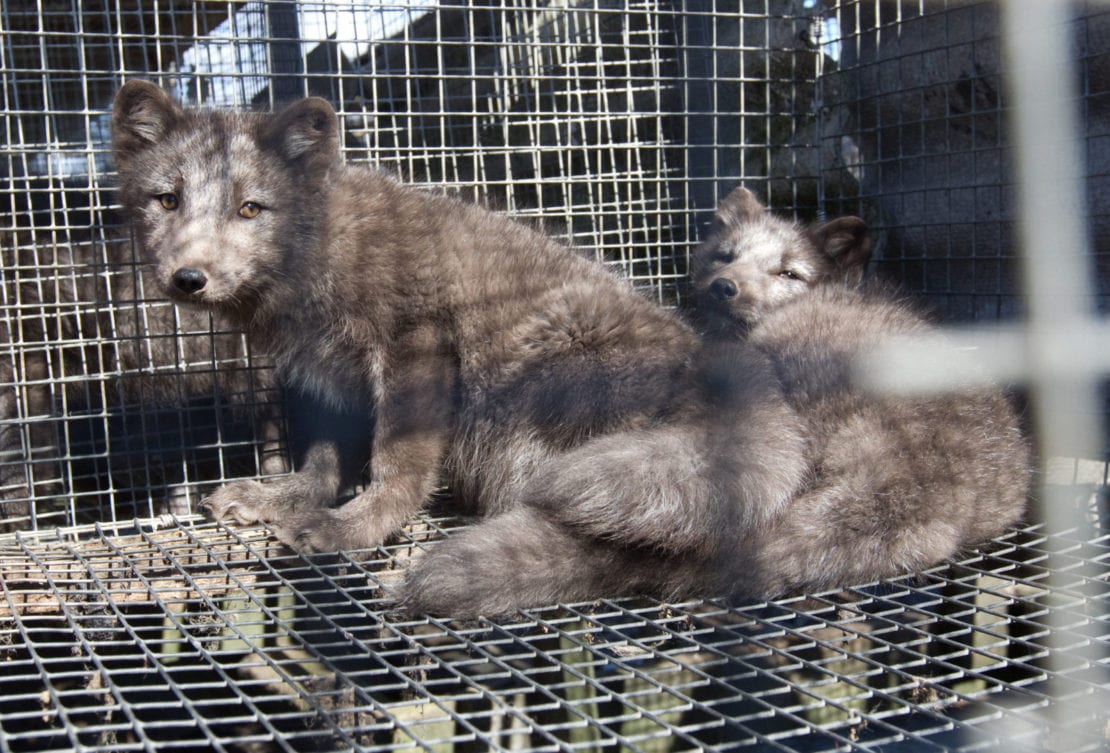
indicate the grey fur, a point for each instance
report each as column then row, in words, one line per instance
column 896, row 484
column 666, row 511
column 484, row 348
column 610, row 451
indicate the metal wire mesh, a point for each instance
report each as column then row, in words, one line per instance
column 616, row 125
column 188, row 636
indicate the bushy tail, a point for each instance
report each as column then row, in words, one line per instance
column 662, row 511
column 648, row 488
column 690, row 488
column 522, row 559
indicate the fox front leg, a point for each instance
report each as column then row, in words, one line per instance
column 310, row 489
column 413, row 424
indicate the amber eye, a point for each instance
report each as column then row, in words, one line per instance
column 168, row 201
column 250, row 210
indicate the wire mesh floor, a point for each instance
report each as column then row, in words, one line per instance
column 618, row 125
column 180, row 634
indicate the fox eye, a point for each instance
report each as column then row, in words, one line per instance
column 168, row 201
column 250, row 210
column 789, row 275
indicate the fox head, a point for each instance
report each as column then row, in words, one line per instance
column 753, row 262
column 223, row 203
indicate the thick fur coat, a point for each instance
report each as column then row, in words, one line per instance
column 485, row 351
column 611, row 450
column 895, row 484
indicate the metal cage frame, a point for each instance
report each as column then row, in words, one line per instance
column 129, row 623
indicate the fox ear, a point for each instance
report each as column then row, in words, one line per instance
column 308, row 129
column 740, row 206
column 847, row 242
column 141, row 115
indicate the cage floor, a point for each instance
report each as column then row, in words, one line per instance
column 180, row 634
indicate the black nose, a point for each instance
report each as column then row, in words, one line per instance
column 189, row 280
column 723, row 288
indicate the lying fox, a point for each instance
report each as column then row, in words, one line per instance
column 879, row 486
column 895, row 483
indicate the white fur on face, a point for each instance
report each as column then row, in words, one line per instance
column 768, row 260
column 213, row 170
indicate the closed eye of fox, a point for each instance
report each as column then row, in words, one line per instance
column 896, row 482
column 610, row 449
column 754, row 261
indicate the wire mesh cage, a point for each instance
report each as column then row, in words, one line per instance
column 128, row 622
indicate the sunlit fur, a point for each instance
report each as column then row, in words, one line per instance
column 611, row 450
column 896, row 483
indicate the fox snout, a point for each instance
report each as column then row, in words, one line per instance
column 732, row 298
column 189, row 280
column 723, row 289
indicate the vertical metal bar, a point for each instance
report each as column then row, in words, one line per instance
column 1057, row 271
column 817, row 27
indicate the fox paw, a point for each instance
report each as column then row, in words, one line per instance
column 244, row 502
column 250, row 502
column 326, row 530
column 306, row 525
column 310, row 532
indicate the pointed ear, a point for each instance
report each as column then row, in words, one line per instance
column 847, row 242
column 142, row 114
column 739, row 207
column 308, row 129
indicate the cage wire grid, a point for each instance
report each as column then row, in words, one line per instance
column 128, row 623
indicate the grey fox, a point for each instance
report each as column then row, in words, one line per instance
column 481, row 348
column 895, row 483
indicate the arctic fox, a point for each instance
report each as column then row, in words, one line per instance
column 895, row 483
column 485, row 352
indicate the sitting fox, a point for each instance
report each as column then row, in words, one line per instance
column 483, row 349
